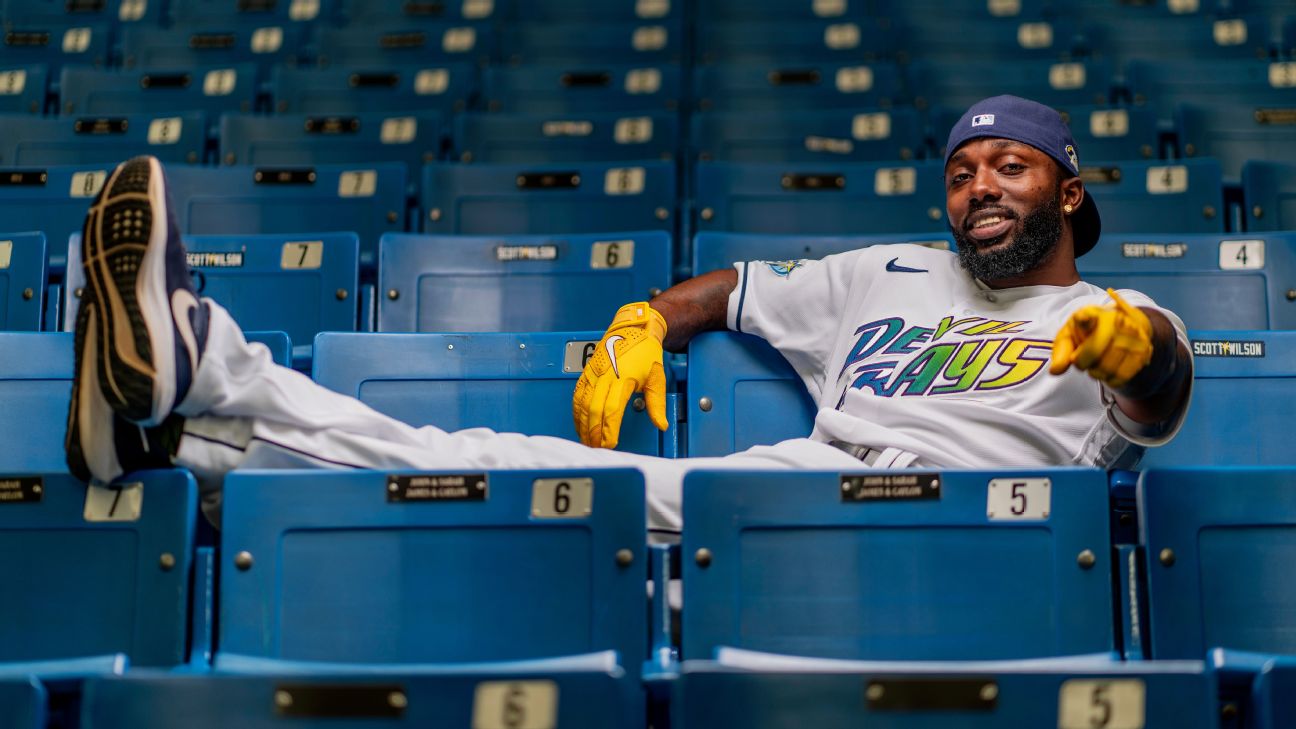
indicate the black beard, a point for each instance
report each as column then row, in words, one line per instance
column 1034, row 245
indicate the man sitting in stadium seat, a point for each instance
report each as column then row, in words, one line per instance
column 917, row 357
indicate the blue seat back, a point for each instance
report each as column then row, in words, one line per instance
column 1185, row 37
column 1236, row 134
column 22, row 281
column 119, row 13
column 1234, row 281
column 22, row 703
column 104, row 140
column 600, row 11
column 548, row 199
column 1180, row 196
column 440, row 87
column 586, row 137
column 369, row 12
column 842, row 198
column 581, row 43
column 1212, row 539
column 86, row 90
column 959, row 84
column 737, row 10
column 262, row 42
column 564, row 89
column 51, row 199
column 721, row 250
column 22, row 89
column 774, row 87
column 793, row 41
column 219, row 11
column 309, row 139
column 342, row 572
column 1005, row 40
column 56, row 45
column 35, row 386
column 1164, row 84
column 1273, row 693
column 1243, row 384
column 406, row 43
column 506, row 382
column 801, row 563
column 516, row 284
column 1269, row 194
column 95, row 577
column 809, row 136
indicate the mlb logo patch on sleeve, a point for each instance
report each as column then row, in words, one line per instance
column 983, row 120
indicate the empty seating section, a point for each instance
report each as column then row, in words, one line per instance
column 97, row 91
column 579, row 137
column 307, row 139
column 172, row 138
column 432, row 87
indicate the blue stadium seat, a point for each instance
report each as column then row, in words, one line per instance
column 341, row 559
column 371, row 12
column 1153, row 38
column 559, row 89
column 841, row 198
column 22, row 703
column 367, row 200
column 1274, row 694
column 587, row 43
column 158, row 91
column 104, row 570
column 52, row 200
column 442, row 88
column 1269, row 192
column 109, row 12
column 721, row 250
column 808, row 136
column 507, row 382
column 585, row 137
column 1100, row 132
column 528, row 695
column 790, row 42
column 221, row 11
column 22, row 281
column 1213, row 539
column 960, row 84
column 35, row 386
column 82, row 140
column 264, row 43
column 743, row 87
column 1162, row 85
column 1236, row 134
column 1239, row 415
column 1234, row 281
column 878, row 566
column 1003, row 40
column 1181, row 196
column 912, row 11
column 306, row 139
column 22, row 89
column 1118, row 10
column 738, row 10
column 547, row 199
column 745, row 381
column 517, row 283
column 755, row 691
column 597, row 11
column 55, row 45
column 407, row 43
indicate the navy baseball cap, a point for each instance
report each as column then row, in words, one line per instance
column 1028, row 122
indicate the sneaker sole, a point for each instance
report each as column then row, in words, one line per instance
column 124, row 255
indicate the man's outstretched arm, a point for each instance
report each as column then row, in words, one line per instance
column 697, row 305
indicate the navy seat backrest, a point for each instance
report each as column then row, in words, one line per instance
column 580, row 43
column 22, row 281
column 564, row 89
column 52, row 200
column 791, row 41
column 263, row 42
column 119, row 13
column 440, row 87
column 56, row 44
column 306, row 139
column 1163, row 84
column 583, row 137
column 22, row 703
column 775, row 87
column 35, row 387
column 85, row 90
column 1005, row 40
column 407, row 43
column 1235, row 134
column 1180, row 196
column 1269, row 194
column 596, row 11
column 1187, row 37
column 22, row 89
column 959, row 84
column 277, row 11
column 808, row 136
column 174, row 137
column 369, row 12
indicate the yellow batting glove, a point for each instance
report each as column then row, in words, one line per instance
column 1111, row 343
column 628, row 360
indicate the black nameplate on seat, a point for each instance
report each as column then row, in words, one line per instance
column 21, row 489
column 373, row 80
column 436, row 487
column 391, row 41
column 575, row 79
column 333, row 125
column 1100, row 175
column 931, row 694
column 165, row 81
column 256, row 6
column 794, row 77
column 19, row 39
column 298, row 176
column 23, row 178
column 546, row 252
column 211, row 41
column 813, row 182
column 100, row 126
column 548, row 180
column 328, row 701
column 890, row 487
column 425, row 10
column 84, row 6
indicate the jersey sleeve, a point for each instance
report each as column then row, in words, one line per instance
column 795, row 306
column 1157, row 433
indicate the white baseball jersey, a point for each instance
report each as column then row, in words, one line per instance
column 901, row 348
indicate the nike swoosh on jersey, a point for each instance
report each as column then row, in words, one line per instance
column 893, row 267
column 610, row 345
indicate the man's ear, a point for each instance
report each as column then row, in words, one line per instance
column 1072, row 192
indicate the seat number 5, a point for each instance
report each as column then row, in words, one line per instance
column 1018, row 499
column 1102, row 704
column 515, row 705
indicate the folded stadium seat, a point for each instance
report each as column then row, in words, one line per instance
column 584, row 43
column 529, row 283
column 595, row 11
column 1236, row 134
column 1182, row 196
column 119, row 13
column 22, row 89
column 1188, row 37
column 712, row 251
column 549, row 199
column 793, row 41
column 22, row 281
column 1100, row 132
column 406, row 44
column 517, row 383
column 1269, row 192
column 264, row 43
column 443, row 88
column 178, row 137
column 957, row 85
column 221, row 11
column 1212, row 281
column 52, row 200
column 212, row 91
column 837, row 198
column 56, row 45
column 579, row 137
column 746, row 87
column 564, row 89
column 22, row 703
column 1162, row 85
column 1004, row 40
column 808, row 136
column 380, row 12
column 367, row 200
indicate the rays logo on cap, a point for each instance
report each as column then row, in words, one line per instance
column 983, row 120
column 1071, row 155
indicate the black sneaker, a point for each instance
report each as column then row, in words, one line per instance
column 151, row 323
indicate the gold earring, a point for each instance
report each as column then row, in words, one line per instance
column 1067, row 208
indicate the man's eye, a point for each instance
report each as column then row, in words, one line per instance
column 1013, row 167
